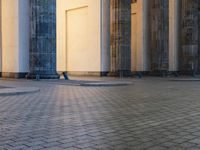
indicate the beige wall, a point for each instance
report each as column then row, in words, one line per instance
column 15, row 36
column 77, row 45
column 79, row 32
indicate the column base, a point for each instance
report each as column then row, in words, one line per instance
column 16, row 75
column 43, row 76
column 104, row 74
column 140, row 74
column 192, row 73
column 123, row 73
column 175, row 73
column 164, row 73
column 85, row 73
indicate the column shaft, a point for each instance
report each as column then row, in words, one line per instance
column 105, row 37
column 43, row 39
column 15, row 38
column 174, row 33
column 159, row 35
column 189, row 53
column 0, row 38
column 143, row 35
column 120, row 37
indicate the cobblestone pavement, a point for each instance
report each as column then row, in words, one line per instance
column 152, row 114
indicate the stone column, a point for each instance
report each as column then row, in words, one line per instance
column 174, row 33
column 15, row 37
column 120, row 37
column 105, row 37
column 189, row 62
column 143, row 35
column 0, row 39
column 159, row 35
column 43, row 39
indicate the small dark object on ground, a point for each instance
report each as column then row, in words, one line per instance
column 139, row 75
column 65, row 76
column 176, row 74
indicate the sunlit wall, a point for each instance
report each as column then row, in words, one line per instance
column 15, row 35
column 81, row 26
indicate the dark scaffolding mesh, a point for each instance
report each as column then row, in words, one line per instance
column 159, row 35
column 189, row 52
column 43, row 39
column 120, row 36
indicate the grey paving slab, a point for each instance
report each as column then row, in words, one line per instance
column 18, row 91
column 107, row 83
column 186, row 79
column 153, row 113
column 91, row 82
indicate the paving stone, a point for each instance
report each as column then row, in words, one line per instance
column 147, row 115
column 196, row 141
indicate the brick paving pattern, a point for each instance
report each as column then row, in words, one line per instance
column 152, row 114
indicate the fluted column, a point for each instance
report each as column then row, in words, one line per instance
column 174, row 33
column 143, row 35
column 0, row 38
column 105, row 37
column 159, row 35
column 189, row 62
column 15, row 37
column 43, row 39
column 120, row 37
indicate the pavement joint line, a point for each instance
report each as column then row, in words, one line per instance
column 90, row 83
column 185, row 79
column 18, row 91
column 156, row 123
